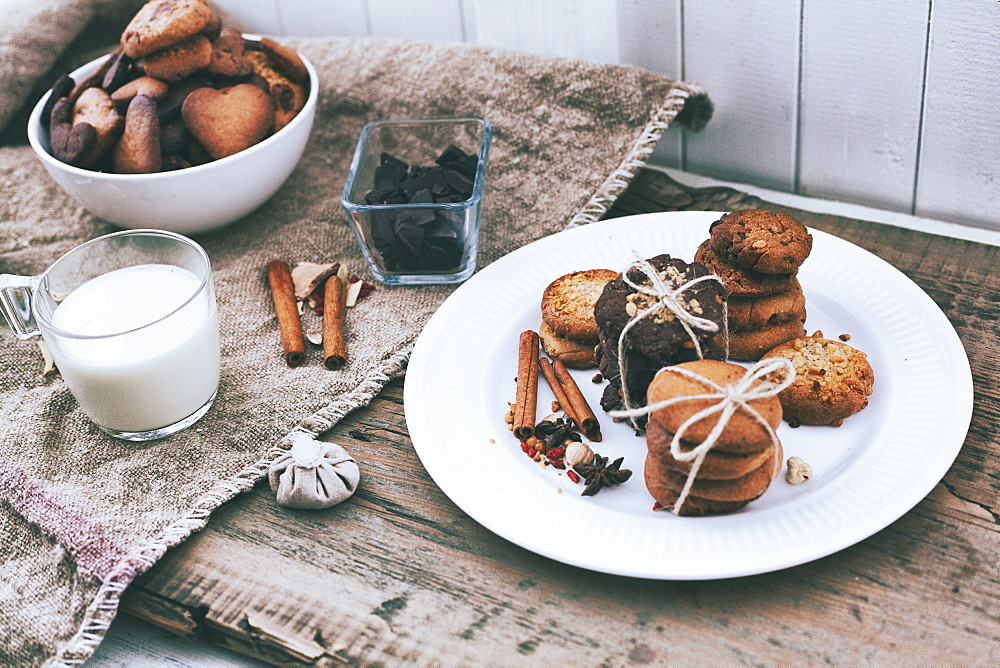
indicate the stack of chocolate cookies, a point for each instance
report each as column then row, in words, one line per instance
column 736, row 470
column 757, row 255
column 658, row 339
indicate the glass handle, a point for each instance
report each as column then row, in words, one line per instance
column 15, row 302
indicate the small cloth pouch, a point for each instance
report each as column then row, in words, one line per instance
column 313, row 474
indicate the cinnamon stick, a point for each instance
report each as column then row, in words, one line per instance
column 550, row 377
column 576, row 405
column 334, row 306
column 280, row 278
column 526, row 401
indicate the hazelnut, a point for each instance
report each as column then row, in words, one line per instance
column 578, row 453
column 797, row 471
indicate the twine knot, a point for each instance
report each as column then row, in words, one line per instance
column 665, row 296
column 755, row 384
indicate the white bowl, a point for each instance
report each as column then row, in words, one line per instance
column 188, row 201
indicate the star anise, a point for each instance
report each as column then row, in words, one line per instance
column 600, row 474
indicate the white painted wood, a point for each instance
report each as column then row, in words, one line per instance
column 259, row 16
column 842, row 99
column 746, row 54
column 959, row 170
column 862, row 84
column 432, row 20
column 318, row 18
column 845, row 209
column 649, row 36
column 585, row 29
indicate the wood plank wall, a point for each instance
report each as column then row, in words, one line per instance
column 891, row 104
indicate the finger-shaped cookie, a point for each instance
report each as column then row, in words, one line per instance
column 138, row 150
column 96, row 107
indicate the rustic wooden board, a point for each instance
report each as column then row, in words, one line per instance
column 398, row 574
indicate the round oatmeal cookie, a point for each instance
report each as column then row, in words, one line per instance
column 160, row 23
column 741, row 282
column 763, row 241
column 574, row 353
column 748, row 346
column 746, row 313
column 662, row 336
column 667, row 496
column 717, row 465
column 568, row 302
column 833, row 380
column 743, row 434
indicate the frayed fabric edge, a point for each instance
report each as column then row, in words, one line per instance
column 103, row 609
column 687, row 103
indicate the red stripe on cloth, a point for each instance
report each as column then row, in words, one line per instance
column 93, row 550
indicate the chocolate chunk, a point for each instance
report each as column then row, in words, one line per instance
column 450, row 155
column 459, row 182
column 421, row 239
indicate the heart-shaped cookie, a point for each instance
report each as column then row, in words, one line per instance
column 229, row 120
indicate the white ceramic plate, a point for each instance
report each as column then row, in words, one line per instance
column 868, row 472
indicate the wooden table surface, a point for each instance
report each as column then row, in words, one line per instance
column 398, row 574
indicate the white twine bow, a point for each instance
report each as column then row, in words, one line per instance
column 753, row 385
column 665, row 296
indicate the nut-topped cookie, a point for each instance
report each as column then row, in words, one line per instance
column 833, row 380
column 761, row 241
column 661, row 335
column 568, row 302
column 741, row 282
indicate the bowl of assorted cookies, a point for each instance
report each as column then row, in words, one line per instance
column 186, row 126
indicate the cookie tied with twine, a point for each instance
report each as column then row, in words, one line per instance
column 710, row 404
column 665, row 310
column 313, row 474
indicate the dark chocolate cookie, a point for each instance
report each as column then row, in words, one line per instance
column 660, row 336
column 762, row 241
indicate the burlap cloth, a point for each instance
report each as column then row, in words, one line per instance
column 82, row 514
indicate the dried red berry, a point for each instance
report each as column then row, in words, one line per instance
column 571, row 474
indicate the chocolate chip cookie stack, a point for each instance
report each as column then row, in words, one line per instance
column 757, row 254
column 737, row 469
column 655, row 336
